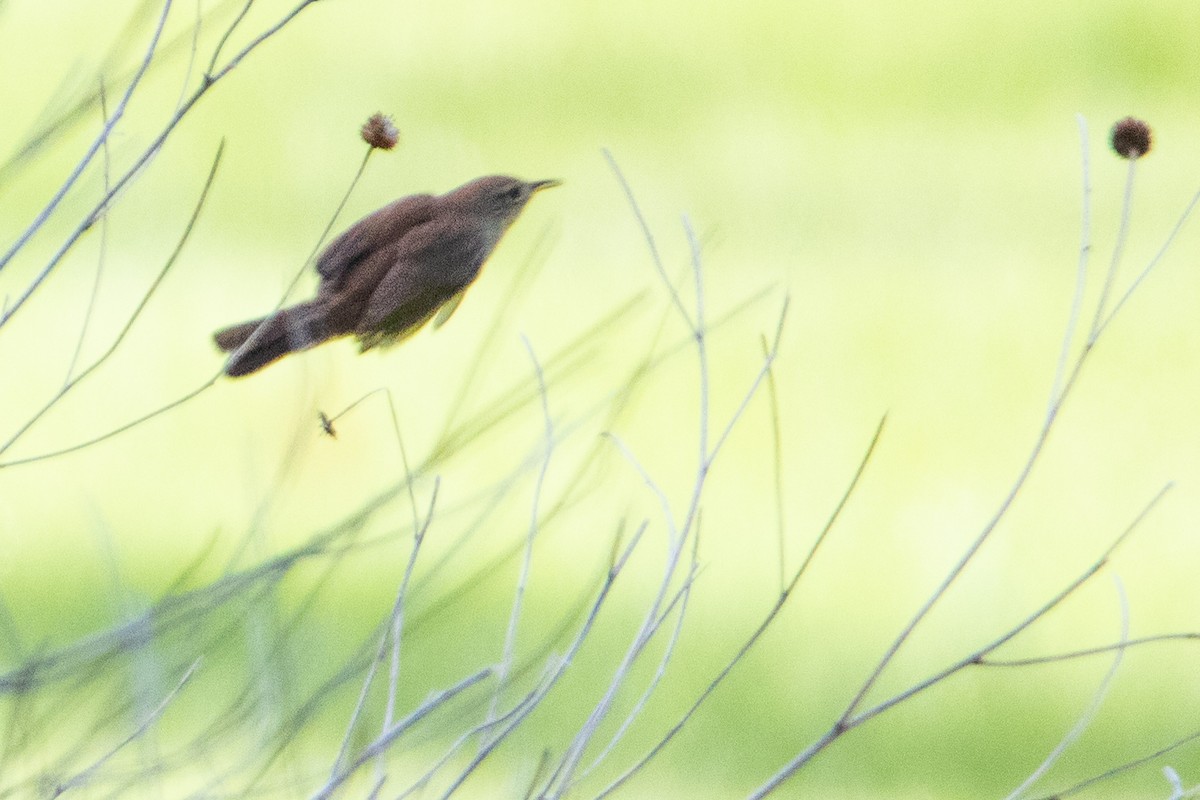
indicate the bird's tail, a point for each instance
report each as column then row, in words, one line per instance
column 257, row 343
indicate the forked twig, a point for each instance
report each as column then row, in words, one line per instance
column 678, row 530
column 768, row 619
column 118, row 339
column 95, row 147
column 854, row 715
column 82, row 778
column 514, row 617
column 141, row 161
column 845, row 724
column 1085, row 719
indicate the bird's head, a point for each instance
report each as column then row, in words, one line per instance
column 498, row 199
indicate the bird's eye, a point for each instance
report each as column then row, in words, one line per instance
column 513, row 193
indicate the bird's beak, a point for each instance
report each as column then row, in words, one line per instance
column 537, row 186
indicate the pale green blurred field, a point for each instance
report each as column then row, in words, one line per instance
column 908, row 175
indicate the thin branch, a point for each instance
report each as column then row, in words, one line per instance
column 103, row 250
column 564, row 775
column 1141, row 761
column 1053, row 603
column 120, row 337
column 392, row 629
column 90, row 218
column 514, row 616
column 1184, row 217
column 256, row 336
column 419, row 530
column 385, row 740
column 649, row 237
column 556, row 668
column 1118, row 251
column 88, row 155
column 58, row 123
column 1033, row 457
column 1055, row 407
column 1081, row 269
column 663, row 501
column 847, row 723
column 1088, row 652
column 777, row 465
column 699, row 333
column 678, row 533
column 193, row 51
column 203, row 387
column 749, row 394
column 768, row 620
column 212, row 65
column 1089, row 714
column 82, row 778
column 512, row 718
column 681, row 600
column 522, row 710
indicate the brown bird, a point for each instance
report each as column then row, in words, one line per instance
column 389, row 273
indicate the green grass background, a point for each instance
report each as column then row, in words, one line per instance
column 907, row 174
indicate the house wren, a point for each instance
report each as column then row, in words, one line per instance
column 389, row 273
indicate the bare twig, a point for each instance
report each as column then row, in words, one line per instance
column 678, row 530
column 250, row 342
column 141, row 161
column 767, row 622
column 119, row 338
column 854, row 715
column 1085, row 252
column 648, row 236
column 101, row 256
column 681, row 600
column 257, row 335
column 95, row 147
column 777, row 464
column 1089, row 651
column 847, row 723
column 1085, row 719
column 1141, row 761
column 384, row 741
column 216, row 56
column 1033, row 457
column 558, row 667
column 1118, row 250
column 510, row 636
column 393, row 630
column 82, row 778
column 1162, row 251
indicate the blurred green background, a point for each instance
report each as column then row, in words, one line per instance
column 907, row 175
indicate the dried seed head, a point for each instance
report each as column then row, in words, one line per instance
column 1131, row 138
column 379, row 131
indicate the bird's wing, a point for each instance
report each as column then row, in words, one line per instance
column 444, row 313
column 404, row 300
column 369, row 234
column 430, row 266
